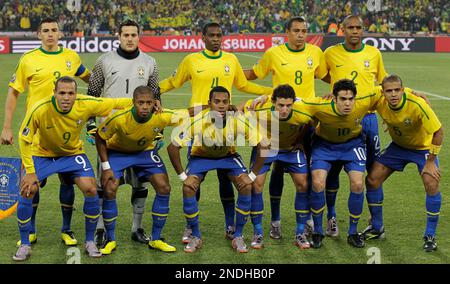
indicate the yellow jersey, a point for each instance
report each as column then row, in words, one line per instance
column 207, row 70
column 297, row 68
column 59, row 132
column 282, row 133
column 210, row 141
column 364, row 66
column 124, row 132
column 39, row 69
column 412, row 124
column 335, row 127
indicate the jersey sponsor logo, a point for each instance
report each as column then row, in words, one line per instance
column 50, row 126
column 340, row 65
column 284, row 64
column 198, row 71
column 114, row 72
column 26, row 131
column 38, row 69
column 301, row 165
column 408, row 122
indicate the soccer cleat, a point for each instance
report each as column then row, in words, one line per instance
column 100, row 238
column 356, row 240
column 370, row 234
column 109, row 247
column 187, row 236
column 161, row 245
column 316, row 240
column 194, row 244
column 140, row 237
column 301, row 240
column 229, row 233
column 429, row 244
column 309, row 228
column 257, row 242
column 32, row 238
column 23, row 253
column 92, row 250
column 68, row 238
column 239, row 245
column 275, row 230
column 332, row 228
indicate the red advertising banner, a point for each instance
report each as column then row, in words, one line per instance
column 4, row 45
column 443, row 44
column 234, row 43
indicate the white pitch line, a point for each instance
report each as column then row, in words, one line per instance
column 435, row 95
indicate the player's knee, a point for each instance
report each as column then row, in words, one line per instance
column 372, row 183
column 163, row 189
column 246, row 189
column 257, row 187
column 90, row 191
column 318, row 185
column 301, row 186
column 110, row 193
column 357, row 186
column 188, row 191
column 431, row 185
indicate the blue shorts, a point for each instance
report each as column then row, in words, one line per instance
column 290, row 161
column 351, row 154
column 370, row 130
column 199, row 166
column 69, row 167
column 144, row 164
column 397, row 157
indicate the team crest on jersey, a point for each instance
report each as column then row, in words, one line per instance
column 227, row 69
column 68, row 64
column 408, row 122
column 13, row 78
column 309, row 62
column 79, row 122
column 156, row 130
column 141, row 72
column 366, row 63
column 26, row 131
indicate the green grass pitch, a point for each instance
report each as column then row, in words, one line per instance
column 404, row 210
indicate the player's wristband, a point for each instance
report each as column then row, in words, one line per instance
column 106, row 166
column 434, row 149
column 252, row 176
column 182, row 176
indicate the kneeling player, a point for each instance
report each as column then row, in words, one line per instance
column 282, row 120
column 124, row 140
column 417, row 135
column 215, row 134
column 59, row 120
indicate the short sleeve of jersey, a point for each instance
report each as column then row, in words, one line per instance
column 108, row 128
column 322, row 69
column 19, row 79
column 105, row 105
column 430, row 122
column 262, row 67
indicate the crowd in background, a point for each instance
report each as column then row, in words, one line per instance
column 91, row 17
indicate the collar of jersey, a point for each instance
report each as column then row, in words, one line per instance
column 292, row 50
column 351, row 50
column 272, row 109
column 334, row 108
column 52, row 52
column 402, row 104
column 212, row 55
column 56, row 106
column 137, row 118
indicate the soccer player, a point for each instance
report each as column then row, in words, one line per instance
column 115, row 75
column 363, row 64
column 296, row 63
column 206, row 69
column 126, row 140
column 417, row 136
column 339, row 142
column 214, row 133
column 59, row 120
column 39, row 69
column 282, row 119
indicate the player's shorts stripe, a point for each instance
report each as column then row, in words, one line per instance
column 190, row 216
column 242, row 212
column 238, row 162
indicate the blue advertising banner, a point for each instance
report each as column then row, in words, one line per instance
column 10, row 176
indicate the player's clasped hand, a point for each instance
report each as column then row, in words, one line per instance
column 29, row 185
column 258, row 101
column 107, row 176
column 243, row 180
column 7, row 137
column 192, row 182
column 431, row 169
